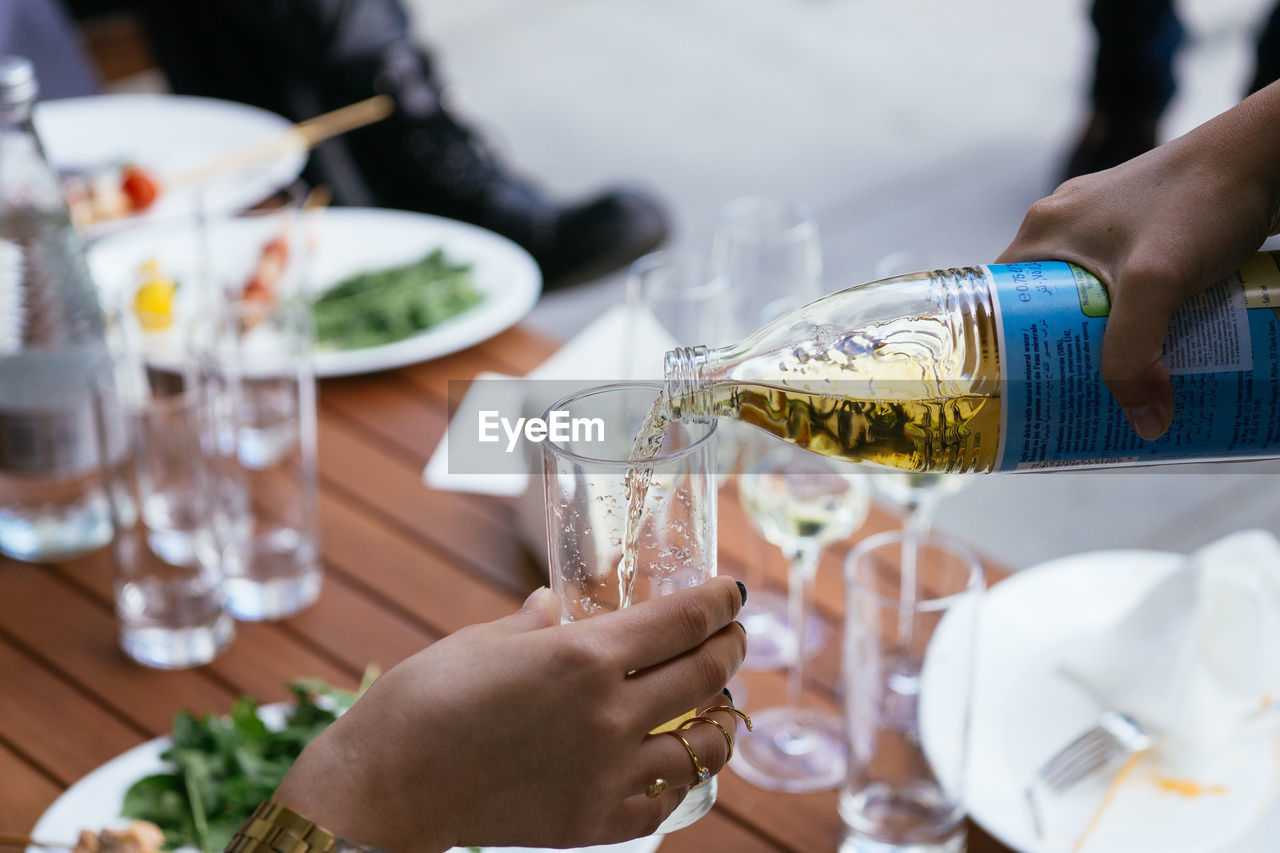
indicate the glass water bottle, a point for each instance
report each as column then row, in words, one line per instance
column 58, row 418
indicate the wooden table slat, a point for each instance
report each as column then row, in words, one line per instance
column 65, row 626
column 36, row 703
column 371, row 475
column 371, row 551
column 24, row 792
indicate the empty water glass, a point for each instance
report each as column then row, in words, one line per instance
column 167, row 548
column 255, row 351
column 908, row 676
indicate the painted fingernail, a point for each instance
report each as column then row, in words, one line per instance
column 742, row 590
column 727, row 695
column 740, row 625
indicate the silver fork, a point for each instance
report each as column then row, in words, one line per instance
column 1115, row 735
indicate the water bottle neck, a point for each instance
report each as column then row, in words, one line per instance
column 688, row 387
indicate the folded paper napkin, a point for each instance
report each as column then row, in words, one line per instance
column 1198, row 654
column 619, row 345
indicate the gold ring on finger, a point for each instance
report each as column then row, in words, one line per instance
column 731, row 710
column 728, row 738
column 655, row 789
column 700, row 771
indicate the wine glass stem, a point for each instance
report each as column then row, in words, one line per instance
column 804, row 565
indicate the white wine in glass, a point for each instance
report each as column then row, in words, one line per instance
column 800, row 502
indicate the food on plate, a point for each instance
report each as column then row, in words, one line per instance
column 140, row 836
column 111, row 192
column 153, row 300
column 222, row 767
column 387, row 305
column 262, row 282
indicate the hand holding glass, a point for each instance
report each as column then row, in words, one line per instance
column 587, row 502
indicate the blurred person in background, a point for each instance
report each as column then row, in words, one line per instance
column 300, row 58
column 1133, row 78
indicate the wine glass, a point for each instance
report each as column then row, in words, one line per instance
column 801, row 502
column 673, row 300
column 767, row 253
column 917, row 494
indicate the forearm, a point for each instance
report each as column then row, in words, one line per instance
column 1244, row 141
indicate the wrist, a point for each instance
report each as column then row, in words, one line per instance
column 273, row 828
column 344, row 782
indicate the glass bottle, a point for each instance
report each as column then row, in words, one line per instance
column 993, row 368
column 58, row 417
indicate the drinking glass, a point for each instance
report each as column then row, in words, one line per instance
column 673, row 300
column 588, row 480
column 767, row 253
column 765, row 249
column 916, row 494
column 167, row 554
column 904, row 787
column 801, row 502
column 255, row 350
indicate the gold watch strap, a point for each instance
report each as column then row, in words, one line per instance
column 272, row 828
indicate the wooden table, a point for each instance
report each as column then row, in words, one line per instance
column 405, row 565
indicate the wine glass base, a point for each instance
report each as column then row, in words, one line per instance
column 792, row 749
column 770, row 644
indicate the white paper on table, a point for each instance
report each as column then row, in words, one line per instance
column 596, row 355
column 1198, row 655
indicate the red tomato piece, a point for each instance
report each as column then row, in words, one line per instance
column 140, row 187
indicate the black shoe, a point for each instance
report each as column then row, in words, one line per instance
column 1108, row 141
column 425, row 159
column 324, row 55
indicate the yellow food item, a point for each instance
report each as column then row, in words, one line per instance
column 153, row 303
column 1186, row 787
column 1121, row 776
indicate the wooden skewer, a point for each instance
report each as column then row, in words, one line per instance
column 305, row 135
column 28, row 841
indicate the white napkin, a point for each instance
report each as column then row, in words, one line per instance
column 618, row 345
column 1200, row 652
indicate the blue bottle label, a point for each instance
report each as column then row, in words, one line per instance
column 1223, row 355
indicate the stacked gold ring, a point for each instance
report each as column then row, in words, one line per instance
column 700, row 771
column 728, row 738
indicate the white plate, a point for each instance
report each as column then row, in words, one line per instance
column 167, row 134
column 94, row 801
column 346, row 241
column 1025, row 709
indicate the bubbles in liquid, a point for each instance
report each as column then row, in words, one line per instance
column 645, row 446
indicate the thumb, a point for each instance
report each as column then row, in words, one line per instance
column 540, row 610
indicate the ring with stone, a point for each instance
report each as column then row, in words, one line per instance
column 700, row 771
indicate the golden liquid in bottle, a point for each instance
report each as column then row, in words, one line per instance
column 952, row 435
column 917, row 394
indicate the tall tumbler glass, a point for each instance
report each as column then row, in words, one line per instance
column 255, row 349
column 168, row 561
column 903, row 792
column 587, row 489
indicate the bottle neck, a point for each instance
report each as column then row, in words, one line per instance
column 688, row 386
column 26, row 178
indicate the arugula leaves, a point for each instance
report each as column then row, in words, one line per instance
column 382, row 306
column 225, row 766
